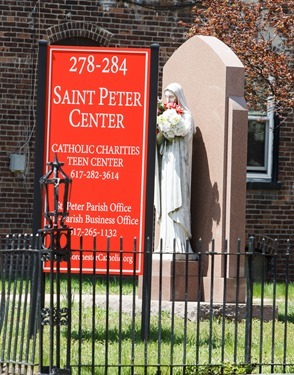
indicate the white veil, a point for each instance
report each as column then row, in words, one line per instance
column 177, row 89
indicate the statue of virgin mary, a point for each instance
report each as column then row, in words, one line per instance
column 173, row 172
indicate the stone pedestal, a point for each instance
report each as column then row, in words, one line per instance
column 169, row 279
column 170, row 276
column 219, row 290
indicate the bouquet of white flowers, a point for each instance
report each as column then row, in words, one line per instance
column 169, row 121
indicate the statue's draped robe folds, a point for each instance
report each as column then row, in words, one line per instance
column 173, row 185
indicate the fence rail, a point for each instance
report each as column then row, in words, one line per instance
column 67, row 322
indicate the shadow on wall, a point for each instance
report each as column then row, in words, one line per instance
column 205, row 207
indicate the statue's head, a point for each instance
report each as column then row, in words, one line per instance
column 174, row 94
column 170, row 96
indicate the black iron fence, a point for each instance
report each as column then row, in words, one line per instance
column 20, row 304
column 82, row 322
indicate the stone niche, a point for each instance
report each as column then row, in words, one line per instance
column 212, row 77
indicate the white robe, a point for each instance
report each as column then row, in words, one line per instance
column 173, row 190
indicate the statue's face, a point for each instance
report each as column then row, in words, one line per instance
column 170, row 97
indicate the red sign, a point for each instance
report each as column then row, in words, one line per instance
column 97, row 124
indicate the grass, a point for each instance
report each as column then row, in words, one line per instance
column 116, row 285
column 217, row 344
column 280, row 290
column 115, row 340
column 126, row 284
column 281, row 293
column 101, row 337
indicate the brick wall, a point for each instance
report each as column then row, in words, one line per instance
column 112, row 23
column 270, row 210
